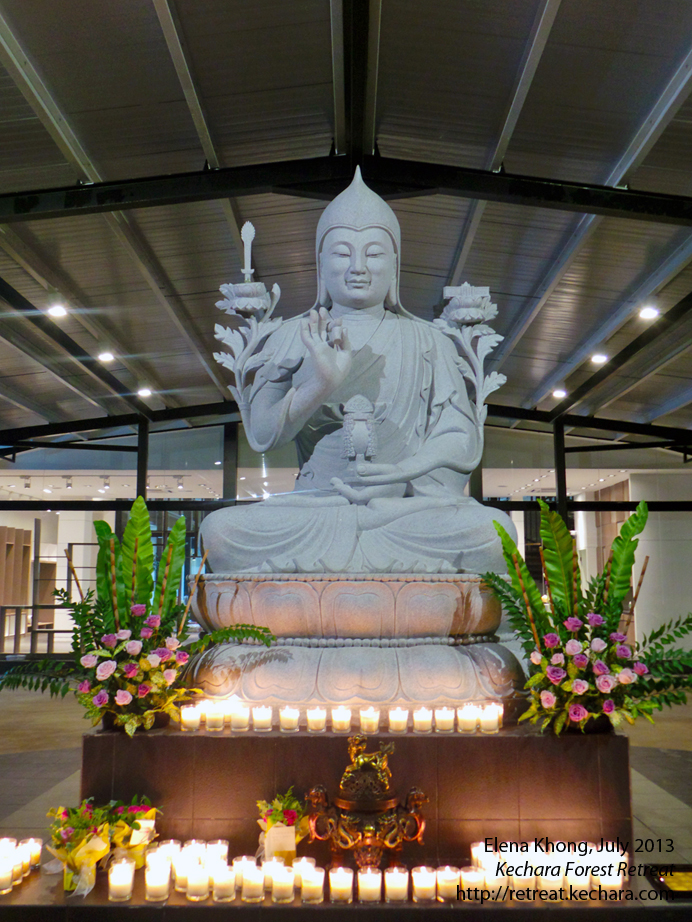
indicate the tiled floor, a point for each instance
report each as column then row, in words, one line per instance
column 40, row 753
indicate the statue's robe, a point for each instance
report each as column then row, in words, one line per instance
column 409, row 371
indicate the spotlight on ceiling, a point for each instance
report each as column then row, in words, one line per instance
column 27, row 483
column 599, row 358
column 180, row 483
column 217, row 463
column 57, row 310
column 649, row 312
column 144, row 392
column 47, row 490
column 68, row 483
column 106, row 483
column 559, row 393
column 106, row 357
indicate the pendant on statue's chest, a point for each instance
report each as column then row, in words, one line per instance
column 360, row 434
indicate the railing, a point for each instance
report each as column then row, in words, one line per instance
column 18, row 614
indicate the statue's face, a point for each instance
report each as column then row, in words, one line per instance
column 358, row 267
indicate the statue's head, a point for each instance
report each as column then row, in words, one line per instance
column 358, row 247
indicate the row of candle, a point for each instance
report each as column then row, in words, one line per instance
column 16, row 861
column 216, row 714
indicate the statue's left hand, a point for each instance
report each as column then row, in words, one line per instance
column 381, row 473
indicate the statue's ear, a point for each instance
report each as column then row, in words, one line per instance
column 391, row 296
column 323, row 299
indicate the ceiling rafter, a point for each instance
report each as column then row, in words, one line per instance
column 177, row 48
column 682, row 399
column 54, row 281
column 21, row 402
column 672, row 264
column 37, row 94
column 533, row 51
column 652, row 126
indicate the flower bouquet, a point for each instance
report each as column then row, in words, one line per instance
column 80, row 839
column 133, row 827
column 283, row 823
column 130, row 642
column 581, row 666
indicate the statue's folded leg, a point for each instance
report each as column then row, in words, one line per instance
column 270, row 538
column 447, row 539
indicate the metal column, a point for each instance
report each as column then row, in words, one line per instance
column 230, row 461
column 142, row 456
column 560, row 467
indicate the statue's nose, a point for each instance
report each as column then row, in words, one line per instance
column 358, row 264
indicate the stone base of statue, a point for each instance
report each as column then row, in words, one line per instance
column 356, row 639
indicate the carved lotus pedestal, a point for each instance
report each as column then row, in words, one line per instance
column 356, row 639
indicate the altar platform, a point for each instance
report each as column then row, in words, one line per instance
column 517, row 785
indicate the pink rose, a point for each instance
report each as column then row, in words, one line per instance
column 170, row 676
column 557, row 659
column 105, row 670
column 89, row 661
column 608, row 706
column 146, row 633
column 577, row 713
column 123, row 697
column 606, row 683
column 172, row 643
column 626, row 677
column 573, row 624
column 153, row 621
column 143, row 690
column 100, row 699
column 290, row 816
column 134, row 647
column 181, row 657
column 640, row 668
column 124, row 635
column 109, row 640
column 153, row 660
column 548, row 699
column 536, row 657
column 163, row 653
column 84, row 686
column 139, row 611
column 551, row 640
column 598, row 645
column 581, row 660
column 130, row 670
column 617, row 638
column 600, row 668
column 572, row 647
column 594, row 619
column 579, row 686
column 622, row 651
column 555, row 674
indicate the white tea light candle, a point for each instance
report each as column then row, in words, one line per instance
column 447, row 882
column 398, row 720
column 6, row 868
column 467, row 717
column 369, row 885
column 299, row 865
column 317, row 719
column 35, row 847
column 369, row 720
column 444, row 720
column 157, row 880
column 240, row 718
column 239, row 868
column 472, row 877
column 422, row 720
column 341, row 885
column 121, row 878
column 396, row 885
column 223, row 888
column 269, row 865
column 288, row 719
column 197, row 882
column 215, row 715
column 489, row 719
column 424, row 884
column 190, row 717
column 262, row 718
column 341, row 723
column 312, row 884
column 282, row 885
column 253, row 884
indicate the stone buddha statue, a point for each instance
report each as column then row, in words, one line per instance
column 376, row 402
column 367, row 571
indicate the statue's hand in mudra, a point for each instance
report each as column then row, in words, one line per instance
column 328, row 347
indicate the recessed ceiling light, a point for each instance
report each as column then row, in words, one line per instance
column 217, row 463
column 559, row 393
column 598, row 358
column 102, row 491
column 106, row 357
column 57, row 310
column 46, row 490
column 601, row 479
column 242, row 478
column 144, row 392
column 649, row 312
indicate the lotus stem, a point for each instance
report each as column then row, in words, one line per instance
column 526, row 602
column 547, row 582
column 191, row 596
column 114, row 587
column 76, row 578
column 165, row 578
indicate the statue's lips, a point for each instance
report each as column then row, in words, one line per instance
column 358, row 284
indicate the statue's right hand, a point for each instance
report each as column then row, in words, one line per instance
column 330, row 351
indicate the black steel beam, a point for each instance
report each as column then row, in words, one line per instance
column 85, row 362
column 560, row 468
column 142, row 456
column 229, row 489
column 660, row 327
column 671, row 433
column 323, row 177
column 628, row 446
column 72, row 446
